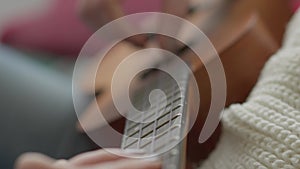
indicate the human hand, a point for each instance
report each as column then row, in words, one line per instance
column 97, row 13
column 99, row 159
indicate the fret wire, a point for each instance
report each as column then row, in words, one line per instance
column 141, row 124
column 154, row 132
column 170, row 117
column 150, row 137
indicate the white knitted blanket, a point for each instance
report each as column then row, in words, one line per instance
column 264, row 132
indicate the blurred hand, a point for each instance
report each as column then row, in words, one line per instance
column 99, row 159
column 97, row 13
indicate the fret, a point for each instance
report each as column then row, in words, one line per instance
column 162, row 125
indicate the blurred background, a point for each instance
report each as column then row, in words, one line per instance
column 13, row 8
column 40, row 41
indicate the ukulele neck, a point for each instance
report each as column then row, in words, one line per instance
column 160, row 128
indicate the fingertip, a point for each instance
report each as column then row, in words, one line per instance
column 61, row 164
column 149, row 163
column 33, row 160
column 94, row 157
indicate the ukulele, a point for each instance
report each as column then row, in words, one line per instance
column 243, row 42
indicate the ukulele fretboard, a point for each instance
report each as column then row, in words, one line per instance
column 158, row 128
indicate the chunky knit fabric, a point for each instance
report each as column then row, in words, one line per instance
column 264, row 132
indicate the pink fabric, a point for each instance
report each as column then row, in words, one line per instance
column 59, row 30
column 295, row 5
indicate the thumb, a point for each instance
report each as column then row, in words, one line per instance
column 34, row 161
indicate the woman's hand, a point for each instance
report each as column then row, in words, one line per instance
column 97, row 13
column 99, row 159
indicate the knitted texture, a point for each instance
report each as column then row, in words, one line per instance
column 264, row 132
